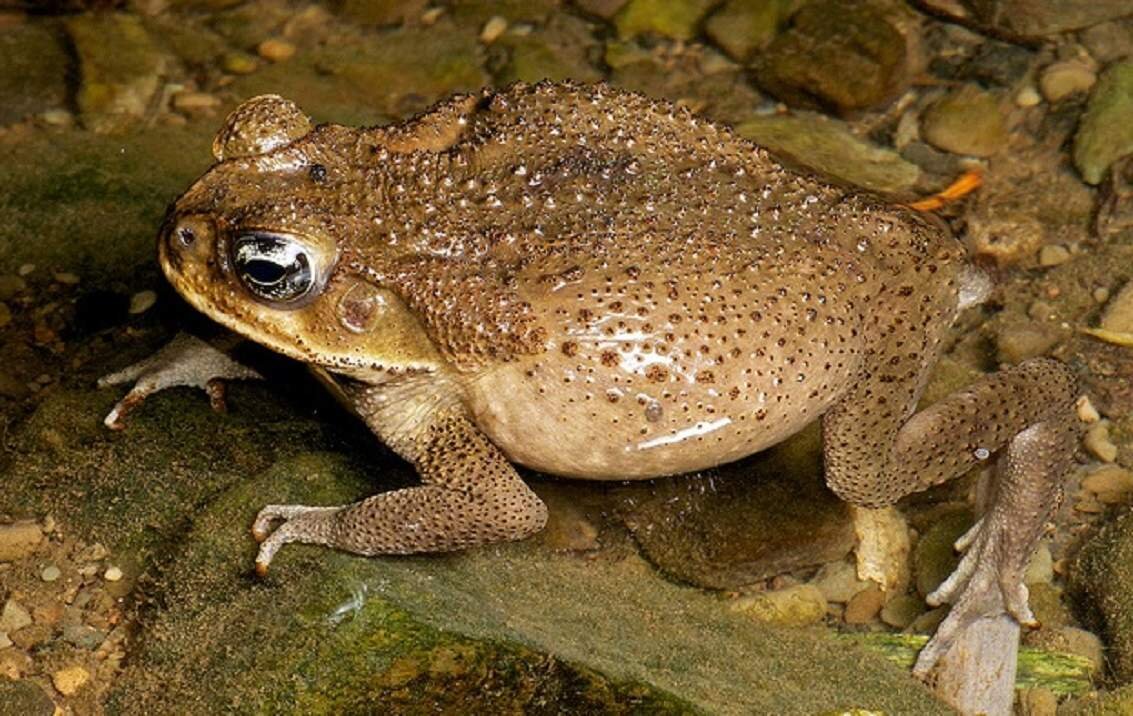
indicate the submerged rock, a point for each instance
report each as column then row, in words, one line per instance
column 120, row 66
column 829, row 147
column 746, row 521
column 1105, row 133
column 33, row 70
column 1029, row 19
column 967, row 121
column 836, row 54
column 676, row 19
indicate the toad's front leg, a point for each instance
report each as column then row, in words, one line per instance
column 1027, row 413
column 470, row 494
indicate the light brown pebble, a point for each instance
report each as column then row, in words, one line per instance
column 57, row 118
column 864, row 606
column 1111, row 483
column 25, row 269
column 50, row 573
column 1037, row 701
column 1101, row 294
column 430, row 16
column 66, row 278
column 1053, row 255
column 275, row 50
column 19, row 539
column 1087, row 413
column 13, row 617
column 493, row 28
column 1027, row 97
column 838, row 582
column 1118, row 313
column 200, row 102
column 5, row 642
column 142, row 301
column 112, row 574
column 1097, row 442
column 68, row 681
column 796, row 605
column 239, row 63
column 1068, row 77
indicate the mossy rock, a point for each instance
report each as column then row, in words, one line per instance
column 507, row 627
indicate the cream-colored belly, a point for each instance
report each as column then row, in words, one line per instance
column 618, row 424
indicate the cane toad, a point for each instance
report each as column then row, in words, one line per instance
column 597, row 285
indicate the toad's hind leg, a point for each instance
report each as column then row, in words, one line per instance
column 1027, row 409
column 470, row 494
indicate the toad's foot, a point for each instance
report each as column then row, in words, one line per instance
column 186, row 360
column 300, row 524
column 988, row 583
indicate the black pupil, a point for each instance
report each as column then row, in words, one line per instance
column 265, row 272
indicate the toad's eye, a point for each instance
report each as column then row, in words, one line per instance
column 274, row 267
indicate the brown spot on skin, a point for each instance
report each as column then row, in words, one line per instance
column 570, row 349
column 706, row 377
column 609, row 359
column 656, row 374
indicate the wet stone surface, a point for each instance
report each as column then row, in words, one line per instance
column 125, row 582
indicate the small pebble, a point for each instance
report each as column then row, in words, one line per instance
column 1101, row 294
column 1040, row 570
column 142, row 301
column 5, row 642
column 190, row 102
column 57, row 118
column 864, row 606
column 796, row 605
column 493, row 28
column 66, row 278
column 1098, row 444
column 430, row 16
column 50, row 573
column 239, row 63
column 1118, row 313
column 1087, row 413
column 276, row 50
column 13, row 617
column 68, row 681
column 19, row 539
column 1063, row 79
column 83, row 636
column 1053, row 255
column 1111, row 483
column 1027, row 97
column 25, row 269
column 112, row 574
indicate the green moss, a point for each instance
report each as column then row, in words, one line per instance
column 677, row 19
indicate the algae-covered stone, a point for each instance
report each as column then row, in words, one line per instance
column 506, row 629
column 677, row 19
column 1105, row 133
column 363, row 79
column 934, row 556
column 106, row 197
column 33, row 70
column 1102, row 583
column 967, row 121
column 120, row 68
column 740, row 27
column 837, row 54
column 827, row 146
column 798, row 605
column 746, row 522
column 24, row 697
column 562, row 50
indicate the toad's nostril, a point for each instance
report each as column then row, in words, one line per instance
column 186, row 236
